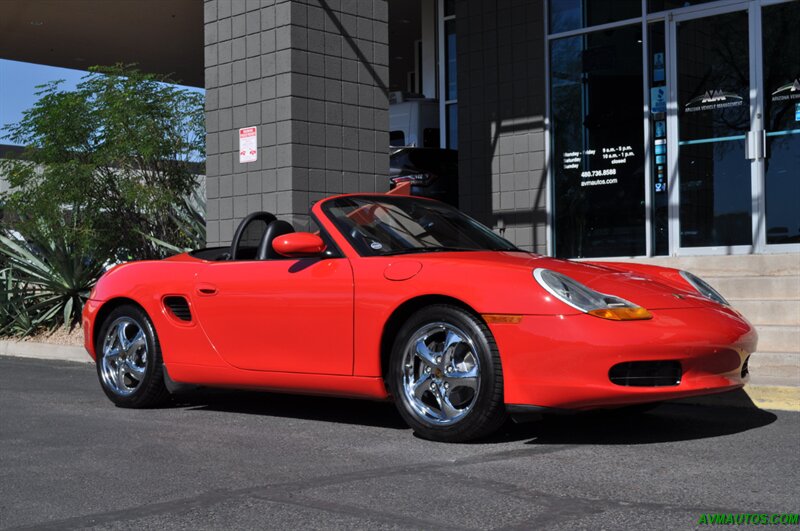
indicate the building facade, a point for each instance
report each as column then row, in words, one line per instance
column 584, row 128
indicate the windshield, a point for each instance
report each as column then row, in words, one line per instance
column 390, row 225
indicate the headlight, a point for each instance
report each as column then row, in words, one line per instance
column 587, row 300
column 703, row 288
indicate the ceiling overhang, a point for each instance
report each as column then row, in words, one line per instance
column 162, row 37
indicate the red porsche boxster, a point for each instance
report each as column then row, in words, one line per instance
column 402, row 297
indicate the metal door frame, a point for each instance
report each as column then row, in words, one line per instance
column 755, row 144
column 762, row 245
column 673, row 132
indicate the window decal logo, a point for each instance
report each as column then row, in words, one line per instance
column 712, row 100
column 789, row 91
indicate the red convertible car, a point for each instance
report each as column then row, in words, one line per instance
column 407, row 298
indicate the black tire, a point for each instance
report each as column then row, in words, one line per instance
column 479, row 413
column 140, row 382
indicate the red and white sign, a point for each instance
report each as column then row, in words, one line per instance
column 248, row 144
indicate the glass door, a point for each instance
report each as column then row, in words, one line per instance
column 781, row 95
column 713, row 119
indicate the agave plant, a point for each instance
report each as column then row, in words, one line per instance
column 15, row 319
column 189, row 219
column 45, row 283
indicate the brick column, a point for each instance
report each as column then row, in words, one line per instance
column 312, row 76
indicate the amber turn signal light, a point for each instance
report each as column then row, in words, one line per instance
column 501, row 318
column 622, row 314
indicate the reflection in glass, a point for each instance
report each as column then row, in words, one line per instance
column 568, row 15
column 452, row 125
column 450, row 73
column 597, row 142
column 782, row 112
column 713, row 118
column 715, row 194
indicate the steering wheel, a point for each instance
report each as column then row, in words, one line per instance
column 266, row 217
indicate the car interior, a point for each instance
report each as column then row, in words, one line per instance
column 251, row 241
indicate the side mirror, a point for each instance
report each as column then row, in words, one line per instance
column 299, row 245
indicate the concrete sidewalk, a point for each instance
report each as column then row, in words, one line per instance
column 44, row 351
column 782, row 398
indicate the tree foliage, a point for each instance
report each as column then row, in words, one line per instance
column 107, row 166
column 108, row 174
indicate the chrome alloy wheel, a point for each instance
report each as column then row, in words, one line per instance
column 125, row 357
column 441, row 373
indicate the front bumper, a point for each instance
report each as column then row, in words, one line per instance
column 564, row 361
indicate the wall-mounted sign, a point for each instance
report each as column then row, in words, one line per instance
column 660, row 182
column 661, row 129
column 658, row 100
column 659, row 72
column 248, row 144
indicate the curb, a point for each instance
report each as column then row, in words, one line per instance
column 782, row 398
column 44, row 351
column 774, row 397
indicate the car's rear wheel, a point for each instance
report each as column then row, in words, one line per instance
column 129, row 361
column 445, row 375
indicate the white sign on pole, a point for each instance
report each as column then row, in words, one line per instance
column 248, row 144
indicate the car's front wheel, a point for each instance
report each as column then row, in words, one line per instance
column 129, row 359
column 445, row 375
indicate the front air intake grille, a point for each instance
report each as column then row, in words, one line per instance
column 646, row 373
column 179, row 308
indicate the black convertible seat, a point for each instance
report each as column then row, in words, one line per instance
column 274, row 229
column 236, row 252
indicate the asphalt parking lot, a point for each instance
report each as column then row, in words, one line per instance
column 234, row 460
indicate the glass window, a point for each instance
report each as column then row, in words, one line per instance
column 782, row 121
column 448, row 88
column 450, row 71
column 654, row 6
column 566, row 15
column 452, row 125
column 713, row 119
column 397, row 138
column 598, row 143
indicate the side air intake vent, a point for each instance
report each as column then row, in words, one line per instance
column 646, row 373
column 179, row 308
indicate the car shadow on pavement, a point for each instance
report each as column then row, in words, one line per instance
column 668, row 422
column 327, row 409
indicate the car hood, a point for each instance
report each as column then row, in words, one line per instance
column 639, row 288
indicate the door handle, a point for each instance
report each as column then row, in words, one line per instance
column 206, row 290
